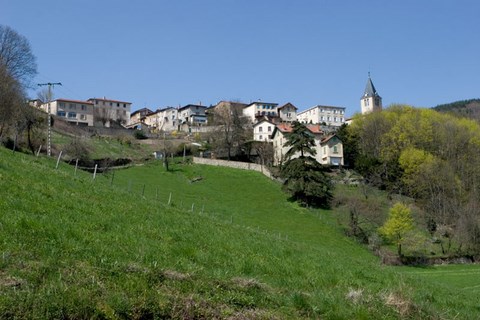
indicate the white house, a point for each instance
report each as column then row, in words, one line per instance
column 165, row 119
column 330, row 115
column 287, row 112
column 262, row 130
column 260, row 109
column 75, row 111
column 107, row 111
column 329, row 149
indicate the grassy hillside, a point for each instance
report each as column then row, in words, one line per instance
column 113, row 248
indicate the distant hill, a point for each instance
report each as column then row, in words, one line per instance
column 464, row 108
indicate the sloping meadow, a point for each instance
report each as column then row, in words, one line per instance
column 195, row 243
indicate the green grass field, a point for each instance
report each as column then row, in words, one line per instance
column 463, row 277
column 113, row 248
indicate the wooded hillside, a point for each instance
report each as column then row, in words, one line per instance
column 427, row 155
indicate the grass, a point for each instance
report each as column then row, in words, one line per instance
column 461, row 277
column 71, row 247
column 106, row 147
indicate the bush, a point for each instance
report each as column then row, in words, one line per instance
column 140, row 135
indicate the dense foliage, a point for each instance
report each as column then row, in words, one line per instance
column 430, row 156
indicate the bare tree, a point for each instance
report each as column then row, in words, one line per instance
column 103, row 115
column 11, row 97
column 44, row 95
column 16, row 55
column 231, row 129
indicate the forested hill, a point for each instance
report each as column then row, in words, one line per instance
column 464, row 108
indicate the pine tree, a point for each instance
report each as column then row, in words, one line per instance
column 304, row 178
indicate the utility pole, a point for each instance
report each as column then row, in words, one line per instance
column 49, row 98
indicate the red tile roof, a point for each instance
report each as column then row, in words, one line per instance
column 287, row 128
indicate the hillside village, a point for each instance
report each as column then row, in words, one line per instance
column 265, row 122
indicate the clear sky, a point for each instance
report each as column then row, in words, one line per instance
column 157, row 53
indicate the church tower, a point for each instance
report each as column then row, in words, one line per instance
column 370, row 101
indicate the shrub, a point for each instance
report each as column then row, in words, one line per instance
column 140, row 135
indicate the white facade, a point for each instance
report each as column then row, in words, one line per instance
column 329, row 149
column 111, row 110
column 164, row 119
column 288, row 112
column 75, row 111
column 258, row 109
column 263, row 130
column 330, row 115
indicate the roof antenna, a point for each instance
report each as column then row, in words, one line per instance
column 368, row 74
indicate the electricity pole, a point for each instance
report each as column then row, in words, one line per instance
column 49, row 98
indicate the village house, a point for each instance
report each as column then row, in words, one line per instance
column 262, row 130
column 74, row 111
column 287, row 112
column 330, row 115
column 329, row 148
column 191, row 116
column 260, row 110
column 107, row 111
column 165, row 119
column 139, row 116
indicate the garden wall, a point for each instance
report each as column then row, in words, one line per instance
column 234, row 164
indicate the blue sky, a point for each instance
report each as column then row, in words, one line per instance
column 169, row 53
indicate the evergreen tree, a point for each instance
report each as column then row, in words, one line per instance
column 304, row 178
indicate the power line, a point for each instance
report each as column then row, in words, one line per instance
column 49, row 98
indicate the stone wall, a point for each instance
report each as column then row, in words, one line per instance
column 234, row 164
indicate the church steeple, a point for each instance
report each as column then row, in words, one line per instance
column 371, row 100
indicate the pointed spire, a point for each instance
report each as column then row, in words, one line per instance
column 370, row 90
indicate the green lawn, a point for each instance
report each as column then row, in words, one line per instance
column 113, row 248
column 463, row 277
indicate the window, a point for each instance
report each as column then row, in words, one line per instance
column 335, row 119
column 83, row 107
column 72, row 115
column 118, row 104
column 111, row 104
column 260, row 137
column 335, row 149
column 73, row 106
column 269, row 128
column 83, row 117
column 61, row 113
column 260, row 129
column 124, row 105
column 62, row 104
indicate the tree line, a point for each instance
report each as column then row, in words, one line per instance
column 431, row 157
column 19, row 122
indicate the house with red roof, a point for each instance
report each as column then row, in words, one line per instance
column 329, row 148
